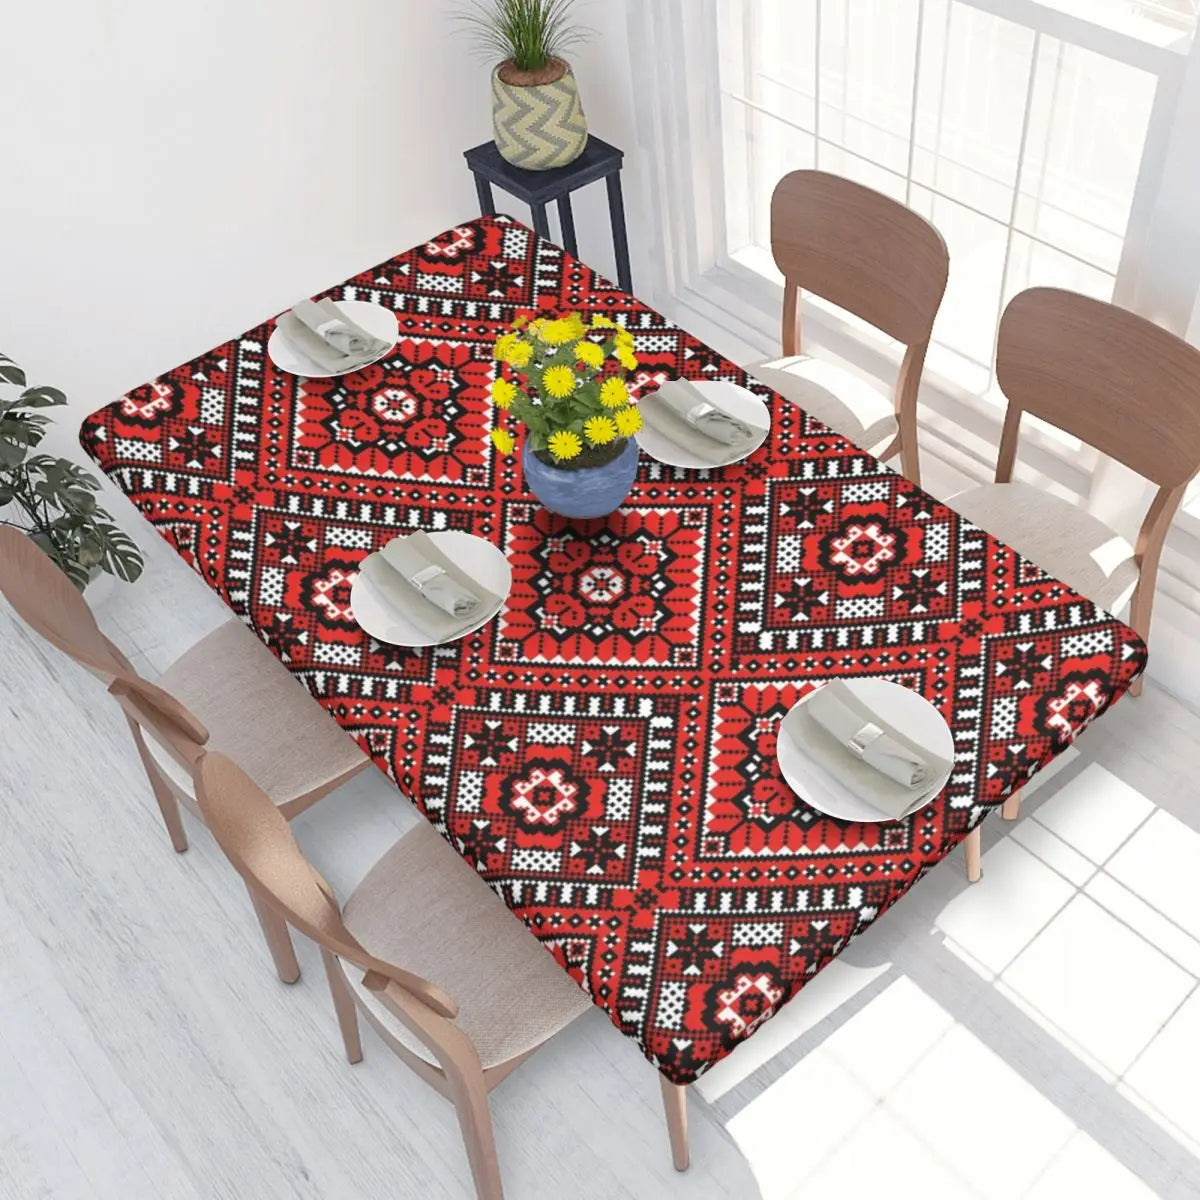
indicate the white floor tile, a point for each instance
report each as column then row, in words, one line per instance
column 981, row 1116
column 836, row 984
column 882, row 1158
column 997, row 918
column 1168, row 1074
column 1094, row 812
column 1098, row 983
column 868, row 1046
column 1053, row 851
column 1147, row 922
column 785, row 1132
column 1085, row 1168
column 1160, row 863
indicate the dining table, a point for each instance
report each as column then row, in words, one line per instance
column 603, row 752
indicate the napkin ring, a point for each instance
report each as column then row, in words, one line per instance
column 426, row 575
column 858, row 744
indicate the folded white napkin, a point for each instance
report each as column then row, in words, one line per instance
column 417, row 579
column 685, row 414
column 863, row 734
column 860, row 750
column 323, row 333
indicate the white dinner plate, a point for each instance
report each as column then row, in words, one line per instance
column 477, row 557
column 908, row 712
column 737, row 401
column 374, row 318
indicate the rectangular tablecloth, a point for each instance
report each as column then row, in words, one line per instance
column 604, row 752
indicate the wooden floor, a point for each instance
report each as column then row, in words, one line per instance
column 1036, row 1035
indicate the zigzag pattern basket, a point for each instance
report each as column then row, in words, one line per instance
column 539, row 126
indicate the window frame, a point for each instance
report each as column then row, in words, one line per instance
column 677, row 50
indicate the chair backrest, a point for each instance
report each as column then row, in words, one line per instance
column 50, row 604
column 258, row 841
column 46, row 600
column 860, row 250
column 1113, row 379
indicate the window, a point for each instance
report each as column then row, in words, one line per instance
column 1021, row 136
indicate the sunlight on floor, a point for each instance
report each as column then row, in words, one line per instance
column 1093, row 938
column 1083, row 924
column 910, row 1103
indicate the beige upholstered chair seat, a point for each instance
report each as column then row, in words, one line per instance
column 846, row 402
column 1062, row 538
column 258, row 715
column 422, row 906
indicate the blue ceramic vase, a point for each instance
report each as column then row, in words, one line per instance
column 586, row 492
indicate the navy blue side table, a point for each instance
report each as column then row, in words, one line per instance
column 599, row 160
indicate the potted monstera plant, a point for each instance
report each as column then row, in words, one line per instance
column 52, row 499
column 536, row 112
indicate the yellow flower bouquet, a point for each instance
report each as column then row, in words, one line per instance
column 563, row 378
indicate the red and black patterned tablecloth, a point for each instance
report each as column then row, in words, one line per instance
column 604, row 752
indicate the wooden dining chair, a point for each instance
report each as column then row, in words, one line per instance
column 227, row 692
column 454, row 984
column 880, row 261
column 1121, row 384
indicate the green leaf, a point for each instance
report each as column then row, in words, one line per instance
column 76, row 572
column 42, row 397
column 11, row 454
column 19, row 433
column 10, row 372
column 121, row 555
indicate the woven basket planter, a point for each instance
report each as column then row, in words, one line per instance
column 537, row 115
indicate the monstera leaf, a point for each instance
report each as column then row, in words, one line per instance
column 54, row 499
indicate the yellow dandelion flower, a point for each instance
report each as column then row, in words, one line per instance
column 564, row 444
column 558, row 333
column 613, row 393
column 559, row 381
column 503, row 393
column 520, row 354
column 504, row 344
column 603, row 323
column 599, row 430
column 629, row 421
column 590, row 353
column 535, row 326
column 519, row 321
column 503, row 440
column 626, row 358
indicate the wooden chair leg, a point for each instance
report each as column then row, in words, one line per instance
column 343, row 1005
column 1012, row 806
column 910, row 462
column 972, row 848
column 469, row 1094
column 675, row 1103
column 167, row 804
column 279, row 941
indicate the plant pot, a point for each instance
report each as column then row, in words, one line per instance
column 586, row 492
column 537, row 116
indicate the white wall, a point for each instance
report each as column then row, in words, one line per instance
column 175, row 172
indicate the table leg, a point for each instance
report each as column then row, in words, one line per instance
column 616, row 214
column 972, row 848
column 675, row 1106
column 566, row 220
column 541, row 222
column 483, row 189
